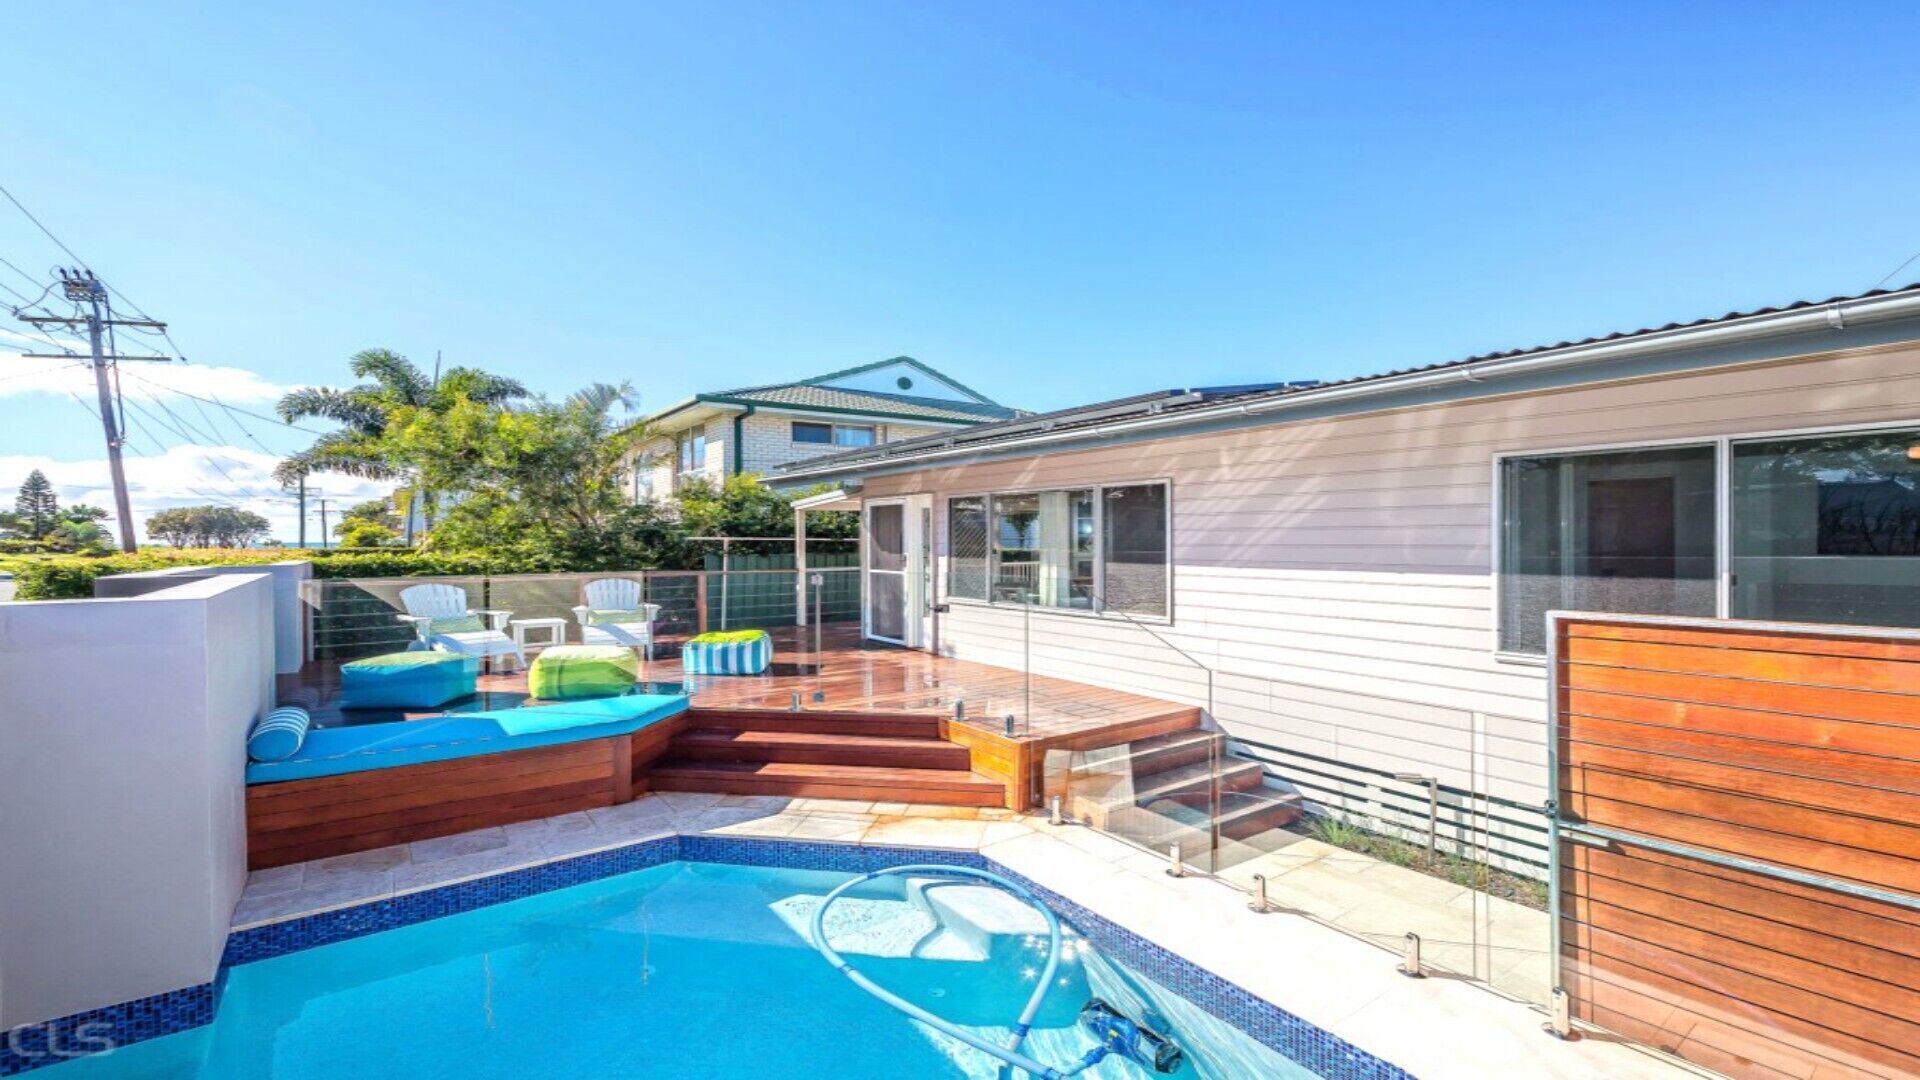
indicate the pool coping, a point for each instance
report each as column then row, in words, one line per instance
column 1272, row 1026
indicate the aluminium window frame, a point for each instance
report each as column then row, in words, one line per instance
column 1099, row 548
column 834, row 427
column 1722, row 444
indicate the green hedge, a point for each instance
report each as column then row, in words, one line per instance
column 66, row 577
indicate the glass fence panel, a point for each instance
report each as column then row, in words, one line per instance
column 1416, row 827
column 1162, row 793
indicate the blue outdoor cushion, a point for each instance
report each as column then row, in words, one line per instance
column 407, row 680
column 332, row 751
column 279, row 734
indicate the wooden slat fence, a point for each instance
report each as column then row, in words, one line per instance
column 1739, row 864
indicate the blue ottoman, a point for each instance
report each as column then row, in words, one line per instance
column 735, row 652
column 407, row 680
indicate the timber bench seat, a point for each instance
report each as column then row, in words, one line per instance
column 356, row 788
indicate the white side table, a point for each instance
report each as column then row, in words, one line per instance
column 556, row 631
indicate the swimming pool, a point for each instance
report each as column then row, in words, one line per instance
column 687, row 969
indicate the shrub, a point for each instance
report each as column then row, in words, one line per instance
column 68, row 577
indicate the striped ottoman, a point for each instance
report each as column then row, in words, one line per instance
column 731, row 652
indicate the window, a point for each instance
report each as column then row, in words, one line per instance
column 643, row 479
column 847, row 435
column 967, row 547
column 1629, row 531
column 1827, row 529
column 1134, row 549
column 1083, row 548
column 693, row 450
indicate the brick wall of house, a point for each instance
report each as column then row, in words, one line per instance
column 769, row 443
column 769, row 440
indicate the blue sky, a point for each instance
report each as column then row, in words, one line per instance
column 1055, row 203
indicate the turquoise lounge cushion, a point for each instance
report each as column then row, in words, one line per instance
column 407, row 680
column 279, row 734
column 361, row 747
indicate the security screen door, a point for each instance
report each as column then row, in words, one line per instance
column 886, row 615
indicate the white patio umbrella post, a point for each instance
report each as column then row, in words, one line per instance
column 800, row 566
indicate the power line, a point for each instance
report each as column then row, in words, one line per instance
column 61, row 244
column 49, row 232
column 229, row 408
column 1896, row 270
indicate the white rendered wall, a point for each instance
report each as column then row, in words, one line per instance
column 122, row 792
column 289, row 611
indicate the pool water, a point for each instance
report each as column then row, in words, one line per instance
column 681, row 971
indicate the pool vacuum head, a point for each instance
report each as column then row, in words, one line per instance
column 1130, row 1039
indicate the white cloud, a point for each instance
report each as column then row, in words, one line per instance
column 20, row 375
column 190, row 475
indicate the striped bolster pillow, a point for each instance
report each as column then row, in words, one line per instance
column 279, row 734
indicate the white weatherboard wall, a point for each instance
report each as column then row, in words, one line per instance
column 1337, row 574
column 122, row 791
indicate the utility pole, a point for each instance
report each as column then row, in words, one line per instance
column 82, row 288
column 325, row 537
column 303, row 511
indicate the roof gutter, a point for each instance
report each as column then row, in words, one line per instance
column 1834, row 316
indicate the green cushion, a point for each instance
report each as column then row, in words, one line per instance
column 577, row 671
column 456, row 624
column 615, row 616
column 726, row 637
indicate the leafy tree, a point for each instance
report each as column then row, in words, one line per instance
column 207, row 526
column 80, row 527
column 374, row 523
column 742, row 506
column 36, row 510
column 550, row 474
column 395, row 387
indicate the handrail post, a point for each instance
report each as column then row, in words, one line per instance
column 700, row 603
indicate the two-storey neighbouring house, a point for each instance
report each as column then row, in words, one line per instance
column 757, row 428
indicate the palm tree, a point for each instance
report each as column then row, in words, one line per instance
column 364, row 411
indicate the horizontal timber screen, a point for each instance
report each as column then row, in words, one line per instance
column 1738, row 852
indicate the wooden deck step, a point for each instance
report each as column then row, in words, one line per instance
column 806, row 747
column 947, row 787
column 820, row 721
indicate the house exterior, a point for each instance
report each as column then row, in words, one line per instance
column 757, row 429
column 1353, row 576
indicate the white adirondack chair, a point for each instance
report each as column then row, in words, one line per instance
column 427, row 603
column 616, row 594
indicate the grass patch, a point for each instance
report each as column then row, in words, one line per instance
column 1461, row 871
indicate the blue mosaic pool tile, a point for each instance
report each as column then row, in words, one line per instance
column 816, row 854
column 1324, row 1053
column 35, row 1045
column 327, row 927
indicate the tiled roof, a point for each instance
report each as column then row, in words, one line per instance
column 804, row 395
